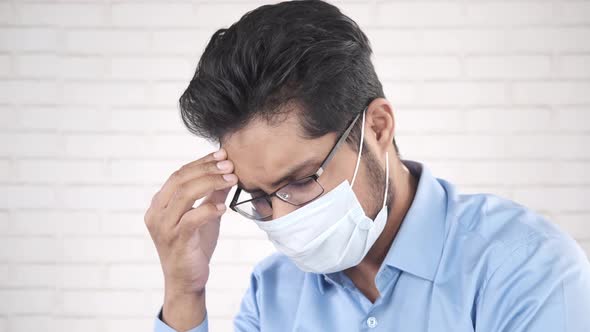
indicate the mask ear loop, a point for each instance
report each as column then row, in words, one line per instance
column 386, row 177
column 358, row 160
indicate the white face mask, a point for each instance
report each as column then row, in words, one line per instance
column 332, row 233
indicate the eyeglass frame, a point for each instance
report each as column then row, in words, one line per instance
column 313, row 176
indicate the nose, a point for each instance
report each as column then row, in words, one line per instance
column 281, row 208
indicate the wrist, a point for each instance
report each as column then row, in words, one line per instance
column 183, row 310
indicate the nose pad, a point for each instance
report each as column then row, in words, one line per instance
column 281, row 208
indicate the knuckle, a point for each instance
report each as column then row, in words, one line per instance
column 176, row 176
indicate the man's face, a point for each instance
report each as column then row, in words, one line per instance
column 267, row 157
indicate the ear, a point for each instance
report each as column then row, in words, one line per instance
column 380, row 123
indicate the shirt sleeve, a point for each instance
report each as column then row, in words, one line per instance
column 160, row 326
column 544, row 285
column 248, row 317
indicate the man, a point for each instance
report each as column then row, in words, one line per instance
column 365, row 240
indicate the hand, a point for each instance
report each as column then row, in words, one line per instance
column 185, row 237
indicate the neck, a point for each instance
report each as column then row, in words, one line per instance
column 363, row 275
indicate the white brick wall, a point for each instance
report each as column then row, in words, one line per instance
column 493, row 95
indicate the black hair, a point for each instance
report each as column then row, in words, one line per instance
column 305, row 54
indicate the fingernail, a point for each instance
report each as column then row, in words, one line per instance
column 229, row 177
column 218, row 154
column 223, row 165
column 220, row 206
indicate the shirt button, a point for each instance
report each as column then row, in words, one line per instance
column 372, row 322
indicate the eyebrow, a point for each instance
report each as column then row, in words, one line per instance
column 289, row 175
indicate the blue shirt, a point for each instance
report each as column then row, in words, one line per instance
column 458, row 263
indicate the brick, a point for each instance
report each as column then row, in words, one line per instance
column 226, row 277
column 501, row 173
column 105, row 302
column 362, row 14
column 29, row 196
column 508, row 120
column 9, row 118
column 31, row 323
column 134, row 276
column 153, row 68
column 28, row 39
column 5, row 65
column 80, row 276
column 571, row 172
column 77, row 324
column 151, row 171
column 573, row 119
column 7, row 15
column 420, row 14
column 43, row 222
column 400, row 93
column 551, row 93
column 123, row 223
column 128, row 324
column 508, row 66
column 554, row 199
column 460, row 41
column 82, row 67
column 453, row 146
column 105, row 93
column 17, row 91
column 36, row 65
column 92, row 146
column 27, row 276
column 20, row 301
column 134, row 120
column 577, row 225
column 105, row 249
column 38, row 117
column 7, row 171
column 548, row 39
column 225, row 305
column 574, row 12
column 547, row 146
column 174, row 41
column 153, row 14
column 393, row 41
column 425, row 120
column 509, row 13
column 106, row 197
column 107, row 41
column 462, row 93
column 214, row 15
column 62, row 14
column 167, row 93
column 61, row 171
column 416, row 67
column 23, row 250
column 574, row 66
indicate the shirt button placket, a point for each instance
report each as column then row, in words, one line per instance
column 371, row 322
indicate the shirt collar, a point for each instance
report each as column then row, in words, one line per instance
column 418, row 244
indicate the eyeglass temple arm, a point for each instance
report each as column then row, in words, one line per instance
column 341, row 140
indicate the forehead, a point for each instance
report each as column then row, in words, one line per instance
column 262, row 151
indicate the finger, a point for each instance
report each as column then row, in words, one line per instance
column 188, row 172
column 218, row 196
column 204, row 219
column 187, row 193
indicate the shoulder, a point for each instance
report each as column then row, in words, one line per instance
column 502, row 233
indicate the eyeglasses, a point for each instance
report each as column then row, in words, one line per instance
column 297, row 192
